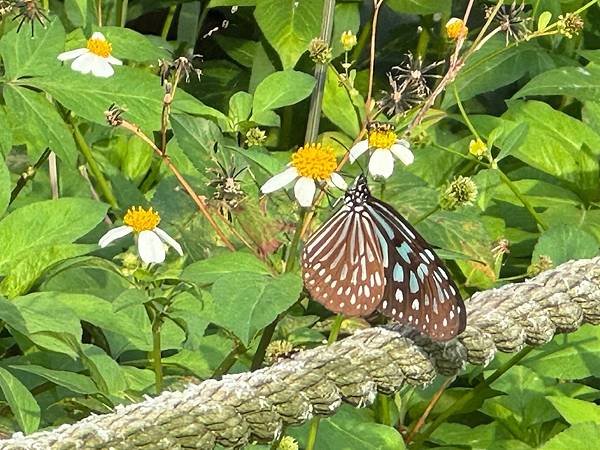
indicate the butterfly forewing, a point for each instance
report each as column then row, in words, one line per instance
column 419, row 290
column 342, row 263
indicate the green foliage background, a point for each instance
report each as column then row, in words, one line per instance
column 76, row 336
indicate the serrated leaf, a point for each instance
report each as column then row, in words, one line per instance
column 36, row 123
column 46, row 223
column 565, row 242
column 577, row 437
column 24, row 55
column 197, row 137
column 583, row 83
column 22, row 404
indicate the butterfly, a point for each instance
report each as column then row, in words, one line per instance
column 368, row 258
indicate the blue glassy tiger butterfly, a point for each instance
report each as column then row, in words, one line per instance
column 367, row 257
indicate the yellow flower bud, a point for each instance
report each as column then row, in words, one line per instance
column 456, row 28
column 477, row 148
column 348, row 40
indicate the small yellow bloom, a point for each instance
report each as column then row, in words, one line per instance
column 477, row 148
column 288, row 443
column 456, row 28
column 348, row 40
column 96, row 57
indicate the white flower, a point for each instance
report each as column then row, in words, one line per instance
column 385, row 147
column 310, row 164
column 151, row 240
column 95, row 57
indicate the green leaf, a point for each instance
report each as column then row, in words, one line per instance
column 131, row 45
column 338, row 106
column 77, row 11
column 137, row 158
column 289, row 26
column 538, row 193
column 46, row 223
column 247, row 302
column 240, row 50
column 22, row 404
column 99, row 312
column 583, row 83
column 421, row 6
column 565, row 242
column 104, row 370
column 24, row 55
column 568, row 357
column 352, row 429
column 6, row 137
column 75, row 382
column 492, row 67
column 240, row 107
column 557, row 144
column 36, row 123
column 578, row 437
column 576, row 411
column 129, row 297
column 33, row 263
column 282, row 89
column 197, row 137
column 209, row 270
column 203, row 360
column 544, row 20
column 135, row 90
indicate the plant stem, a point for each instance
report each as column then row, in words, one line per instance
column 269, row 330
column 376, row 6
column 471, row 395
column 523, row 200
column 463, row 113
column 122, row 6
column 426, row 215
column 94, row 168
column 383, row 410
column 316, row 101
column 22, row 181
column 200, row 203
column 314, row 424
column 229, row 361
column 168, row 22
column 99, row 12
column 156, row 355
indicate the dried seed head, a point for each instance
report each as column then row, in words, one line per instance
column 543, row 263
column 114, row 116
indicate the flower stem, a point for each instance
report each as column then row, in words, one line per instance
column 376, row 6
column 316, row 101
column 471, row 395
column 156, row 356
column 314, row 424
column 94, row 167
column 383, row 410
column 168, row 22
column 523, row 200
column 121, row 12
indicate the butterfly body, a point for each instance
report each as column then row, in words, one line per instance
column 366, row 257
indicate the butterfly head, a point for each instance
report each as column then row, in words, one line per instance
column 358, row 193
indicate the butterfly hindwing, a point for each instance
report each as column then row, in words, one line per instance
column 419, row 290
column 342, row 264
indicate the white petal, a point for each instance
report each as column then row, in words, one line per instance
column 150, row 247
column 337, row 181
column 280, row 180
column 98, row 35
column 169, row 240
column 114, row 234
column 358, row 149
column 101, row 68
column 83, row 63
column 381, row 163
column 305, row 189
column 401, row 150
column 66, row 56
column 114, row 61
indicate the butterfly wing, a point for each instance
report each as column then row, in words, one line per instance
column 342, row 264
column 419, row 290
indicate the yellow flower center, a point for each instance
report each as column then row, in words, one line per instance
column 315, row 161
column 141, row 219
column 477, row 148
column 382, row 138
column 99, row 47
column 456, row 28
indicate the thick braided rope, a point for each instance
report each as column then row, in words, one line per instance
column 256, row 406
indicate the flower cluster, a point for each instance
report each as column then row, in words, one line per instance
column 319, row 51
column 461, row 191
column 570, row 25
